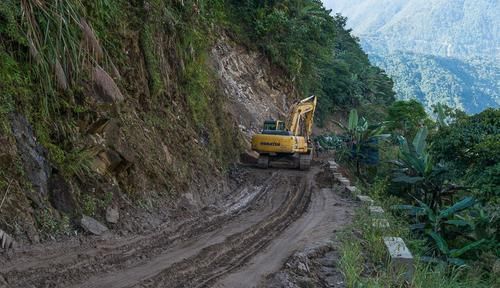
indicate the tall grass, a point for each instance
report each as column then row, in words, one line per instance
column 351, row 261
column 367, row 240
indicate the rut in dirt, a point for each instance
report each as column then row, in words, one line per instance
column 274, row 214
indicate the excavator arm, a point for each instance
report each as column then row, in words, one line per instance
column 301, row 117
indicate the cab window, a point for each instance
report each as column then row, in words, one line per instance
column 269, row 126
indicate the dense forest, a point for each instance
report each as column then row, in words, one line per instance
column 449, row 28
column 470, row 85
column 442, row 51
column 439, row 178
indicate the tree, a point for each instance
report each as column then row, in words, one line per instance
column 406, row 117
column 471, row 148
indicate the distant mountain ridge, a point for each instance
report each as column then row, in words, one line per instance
column 444, row 51
column 468, row 85
column 450, row 28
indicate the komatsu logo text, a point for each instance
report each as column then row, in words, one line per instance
column 270, row 143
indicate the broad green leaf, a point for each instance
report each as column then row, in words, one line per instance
column 403, row 144
column 466, row 248
column 458, row 223
column 428, row 211
column 353, row 119
column 440, row 242
column 408, row 179
column 419, row 141
column 463, row 204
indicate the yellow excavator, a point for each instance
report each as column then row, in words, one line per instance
column 287, row 144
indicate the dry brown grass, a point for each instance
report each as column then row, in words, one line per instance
column 62, row 82
column 106, row 86
column 90, row 40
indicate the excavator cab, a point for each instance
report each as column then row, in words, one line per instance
column 274, row 127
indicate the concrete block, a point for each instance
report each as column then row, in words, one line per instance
column 380, row 223
column 351, row 190
column 332, row 162
column 365, row 199
column 376, row 211
column 337, row 175
column 400, row 256
column 345, row 181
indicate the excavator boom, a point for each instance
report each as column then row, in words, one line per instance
column 302, row 113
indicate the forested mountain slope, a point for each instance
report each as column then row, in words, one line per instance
column 470, row 85
column 460, row 39
column 451, row 28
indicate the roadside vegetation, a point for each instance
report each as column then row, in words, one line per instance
column 438, row 181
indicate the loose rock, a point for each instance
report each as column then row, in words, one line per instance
column 112, row 215
column 93, row 226
column 5, row 240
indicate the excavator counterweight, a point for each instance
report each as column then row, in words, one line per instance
column 287, row 144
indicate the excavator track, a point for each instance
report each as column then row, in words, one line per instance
column 263, row 161
column 305, row 161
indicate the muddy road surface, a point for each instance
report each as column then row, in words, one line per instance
column 274, row 213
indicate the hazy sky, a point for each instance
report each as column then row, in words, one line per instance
column 328, row 4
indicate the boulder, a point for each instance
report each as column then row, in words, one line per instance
column 112, row 215
column 93, row 226
column 187, row 202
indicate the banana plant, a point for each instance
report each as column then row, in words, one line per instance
column 416, row 172
column 360, row 135
column 436, row 226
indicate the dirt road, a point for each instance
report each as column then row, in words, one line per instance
column 272, row 214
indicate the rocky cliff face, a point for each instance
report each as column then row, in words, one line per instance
column 255, row 90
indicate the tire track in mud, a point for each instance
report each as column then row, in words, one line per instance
column 199, row 252
column 79, row 266
column 204, row 268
